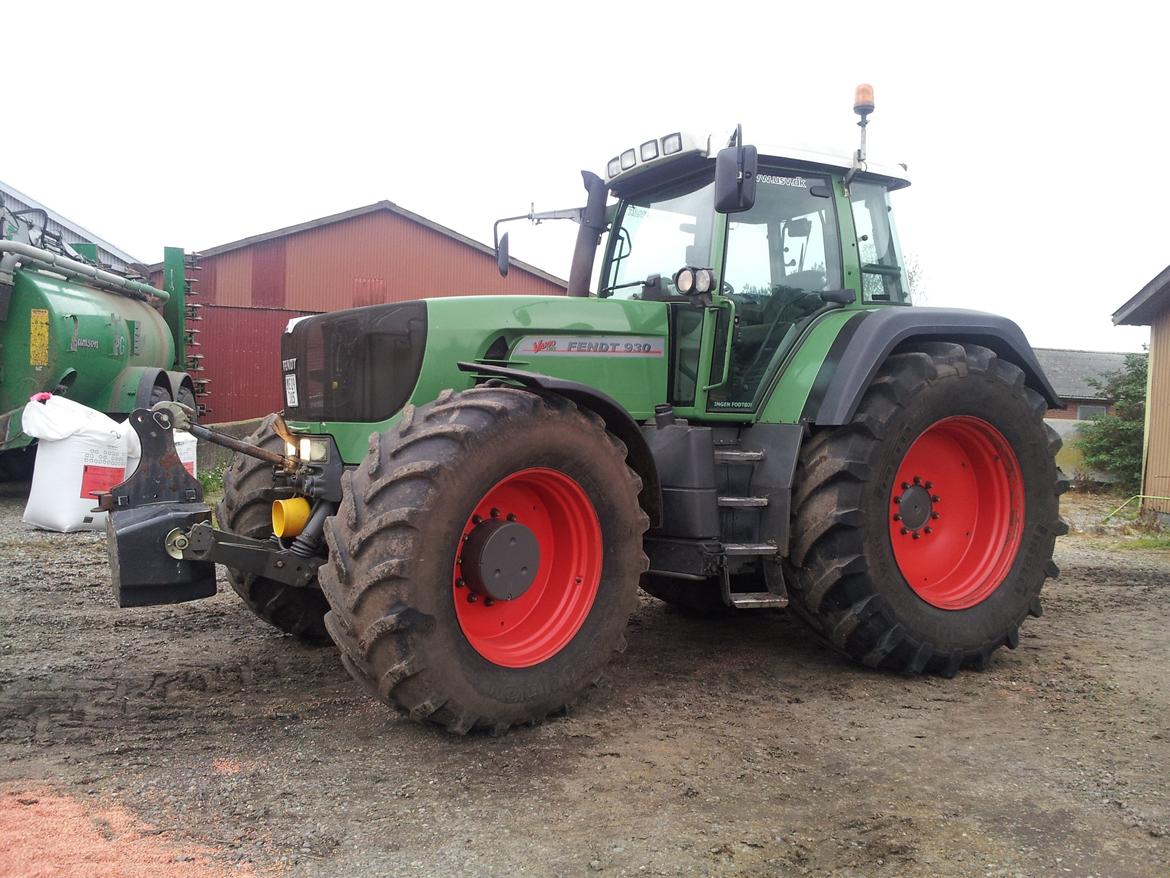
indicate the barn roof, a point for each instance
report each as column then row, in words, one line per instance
column 1149, row 301
column 1070, row 371
column 70, row 231
column 373, row 208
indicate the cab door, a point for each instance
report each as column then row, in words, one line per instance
column 780, row 257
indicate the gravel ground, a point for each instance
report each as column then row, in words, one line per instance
column 740, row 746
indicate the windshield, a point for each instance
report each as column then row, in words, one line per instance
column 660, row 234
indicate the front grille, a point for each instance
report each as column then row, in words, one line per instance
column 355, row 365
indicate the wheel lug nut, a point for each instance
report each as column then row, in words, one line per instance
column 916, row 535
column 935, row 498
column 475, row 519
column 927, row 530
column 897, row 518
column 472, row 597
column 917, row 480
column 511, row 516
column 905, row 531
column 934, row 515
column 928, row 485
column 897, row 499
column 905, row 486
column 495, row 513
column 459, row 583
column 487, row 602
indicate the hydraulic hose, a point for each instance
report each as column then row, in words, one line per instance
column 71, row 267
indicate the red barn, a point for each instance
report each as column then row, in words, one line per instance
column 248, row 290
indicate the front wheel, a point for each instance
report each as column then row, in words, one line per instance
column 485, row 558
column 924, row 528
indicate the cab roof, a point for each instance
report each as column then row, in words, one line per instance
column 698, row 151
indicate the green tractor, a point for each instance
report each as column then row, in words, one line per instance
column 465, row 494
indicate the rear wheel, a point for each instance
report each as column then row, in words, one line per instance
column 246, row 509
column 485, row 558
column 924, row 528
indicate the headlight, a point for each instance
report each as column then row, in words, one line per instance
column 309, row 449
column 649, row 150
column 672, row 143
column 628, row 159
column 684, row 280
column 614, row 167
column 704, row 280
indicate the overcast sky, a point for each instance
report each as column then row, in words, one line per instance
column 1036, row 134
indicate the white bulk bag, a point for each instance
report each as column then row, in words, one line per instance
column 79, row 452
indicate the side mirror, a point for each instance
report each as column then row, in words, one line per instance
column 502, row 255
column 735, row 179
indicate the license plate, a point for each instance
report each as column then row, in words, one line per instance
column 290, row 391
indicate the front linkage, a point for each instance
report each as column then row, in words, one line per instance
column 163, row 546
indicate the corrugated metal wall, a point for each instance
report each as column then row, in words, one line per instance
column 1157, row 465
column 242, row 346
column 249, row 294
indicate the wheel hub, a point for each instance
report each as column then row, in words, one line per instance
column 914, row 506
column 957, row 512
column 500, row 559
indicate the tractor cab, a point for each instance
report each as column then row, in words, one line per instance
column 743, row 285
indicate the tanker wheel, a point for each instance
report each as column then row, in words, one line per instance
column 485, row 558
column 924, row 528
column 187, row 398
column 692, row 597
column 246, row 509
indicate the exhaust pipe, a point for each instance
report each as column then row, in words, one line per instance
column 589, row 235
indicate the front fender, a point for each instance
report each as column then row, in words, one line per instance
column 617, row 421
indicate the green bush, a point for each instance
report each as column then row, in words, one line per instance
column 212, row 479
column 1113, row 443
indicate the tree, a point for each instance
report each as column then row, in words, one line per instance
column 915, row 279
column 1113, row 443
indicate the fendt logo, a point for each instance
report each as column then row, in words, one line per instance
column 589, row 346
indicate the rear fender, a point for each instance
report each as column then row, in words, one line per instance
column 866, row 340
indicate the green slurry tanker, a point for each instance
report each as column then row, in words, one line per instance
column 69, row 326
column 465, row 494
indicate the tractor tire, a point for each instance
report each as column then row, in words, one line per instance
column 693, row 598
column 923, row 529
column 410, row 558
column 246, row 509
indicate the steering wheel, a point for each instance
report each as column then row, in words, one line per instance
column 727, row 289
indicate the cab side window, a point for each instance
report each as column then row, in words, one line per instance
column 877, row 245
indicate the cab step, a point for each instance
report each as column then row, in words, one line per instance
column 768, row 549
column 754, row 600
column 731, row 455
column 742, row 502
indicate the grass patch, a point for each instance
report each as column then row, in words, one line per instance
column 1153, row 541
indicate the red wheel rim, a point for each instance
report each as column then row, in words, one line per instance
column 957, row 512
column 539, row 623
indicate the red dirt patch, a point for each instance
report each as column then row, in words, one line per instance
column 48, row 835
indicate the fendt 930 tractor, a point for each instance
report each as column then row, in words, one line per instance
column 466, row 493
